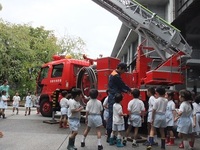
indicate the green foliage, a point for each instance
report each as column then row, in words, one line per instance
column 73, row 46
column 23, row 49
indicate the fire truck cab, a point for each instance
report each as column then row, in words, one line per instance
column 57, row 74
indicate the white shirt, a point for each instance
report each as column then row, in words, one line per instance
column 186, row 109
column 4, row 98
column 170, row 106
column 151, row 102
column 117, row 110
column 105, row 103
column 136, row 106
column 160, row 105
column 64, row 103
column 94, row 106
column 73, row 104
column 28, row 99
column 196, row 107
column 16, row 99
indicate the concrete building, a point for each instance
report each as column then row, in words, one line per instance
column 184, row 15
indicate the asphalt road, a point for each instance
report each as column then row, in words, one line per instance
column 31, row 133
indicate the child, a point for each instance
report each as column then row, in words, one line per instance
column 4, row 103
column 151, row 93
column 196, row 118
column 193, row 117
column 63, row 110
column 158, row 116
column 196, row 106
column 16, row 100
column 94, row 110
column 185, row 111
column 118, row 121
column 136, row 109
column 28, row 104
column 170, row 117
column 37, row 105
column 74, row 116
column 106, row 111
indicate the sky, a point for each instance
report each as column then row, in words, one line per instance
column 78, row 18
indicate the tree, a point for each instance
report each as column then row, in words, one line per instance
column 73, row 46
column 24, row 49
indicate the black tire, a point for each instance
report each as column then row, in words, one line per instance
column 46, row 108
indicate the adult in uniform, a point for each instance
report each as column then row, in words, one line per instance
column 115, row 85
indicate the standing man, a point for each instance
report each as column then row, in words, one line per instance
column 115, row 85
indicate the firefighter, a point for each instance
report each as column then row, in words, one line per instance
column 115, row 85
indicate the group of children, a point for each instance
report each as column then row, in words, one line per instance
column 4, row 98
column 71, row 108
column 162, row 115
column 94, row 109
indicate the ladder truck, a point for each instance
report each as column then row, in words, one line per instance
column 160, row 60
column 162, row 55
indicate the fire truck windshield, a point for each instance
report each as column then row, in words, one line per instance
column 43, row 73
column 57, row 70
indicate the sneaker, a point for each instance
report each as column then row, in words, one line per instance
column 108, row 139
column 74, row 148
column 124, row 142
column 115, row 140
column 82, row 144
column 155, row 144
column 147, row 143
column 134, row 144
column 148, row 148
column 181, row 145
column 100, row 147
column 169, row 144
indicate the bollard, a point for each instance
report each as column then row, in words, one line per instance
column 55, row 102
column 54, row 105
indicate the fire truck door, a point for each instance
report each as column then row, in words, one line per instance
column 56, row 77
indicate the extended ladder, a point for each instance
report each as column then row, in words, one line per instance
column 161, row 35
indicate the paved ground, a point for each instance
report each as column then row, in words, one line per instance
column 30, row 133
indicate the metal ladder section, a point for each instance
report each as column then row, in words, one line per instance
column 161, row 35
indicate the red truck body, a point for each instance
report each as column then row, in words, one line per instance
column 57, row 74
column 63, row 74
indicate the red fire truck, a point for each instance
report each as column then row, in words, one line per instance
column 160, row 59
column 64, row 74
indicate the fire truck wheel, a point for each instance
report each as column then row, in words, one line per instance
column 46, row 108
